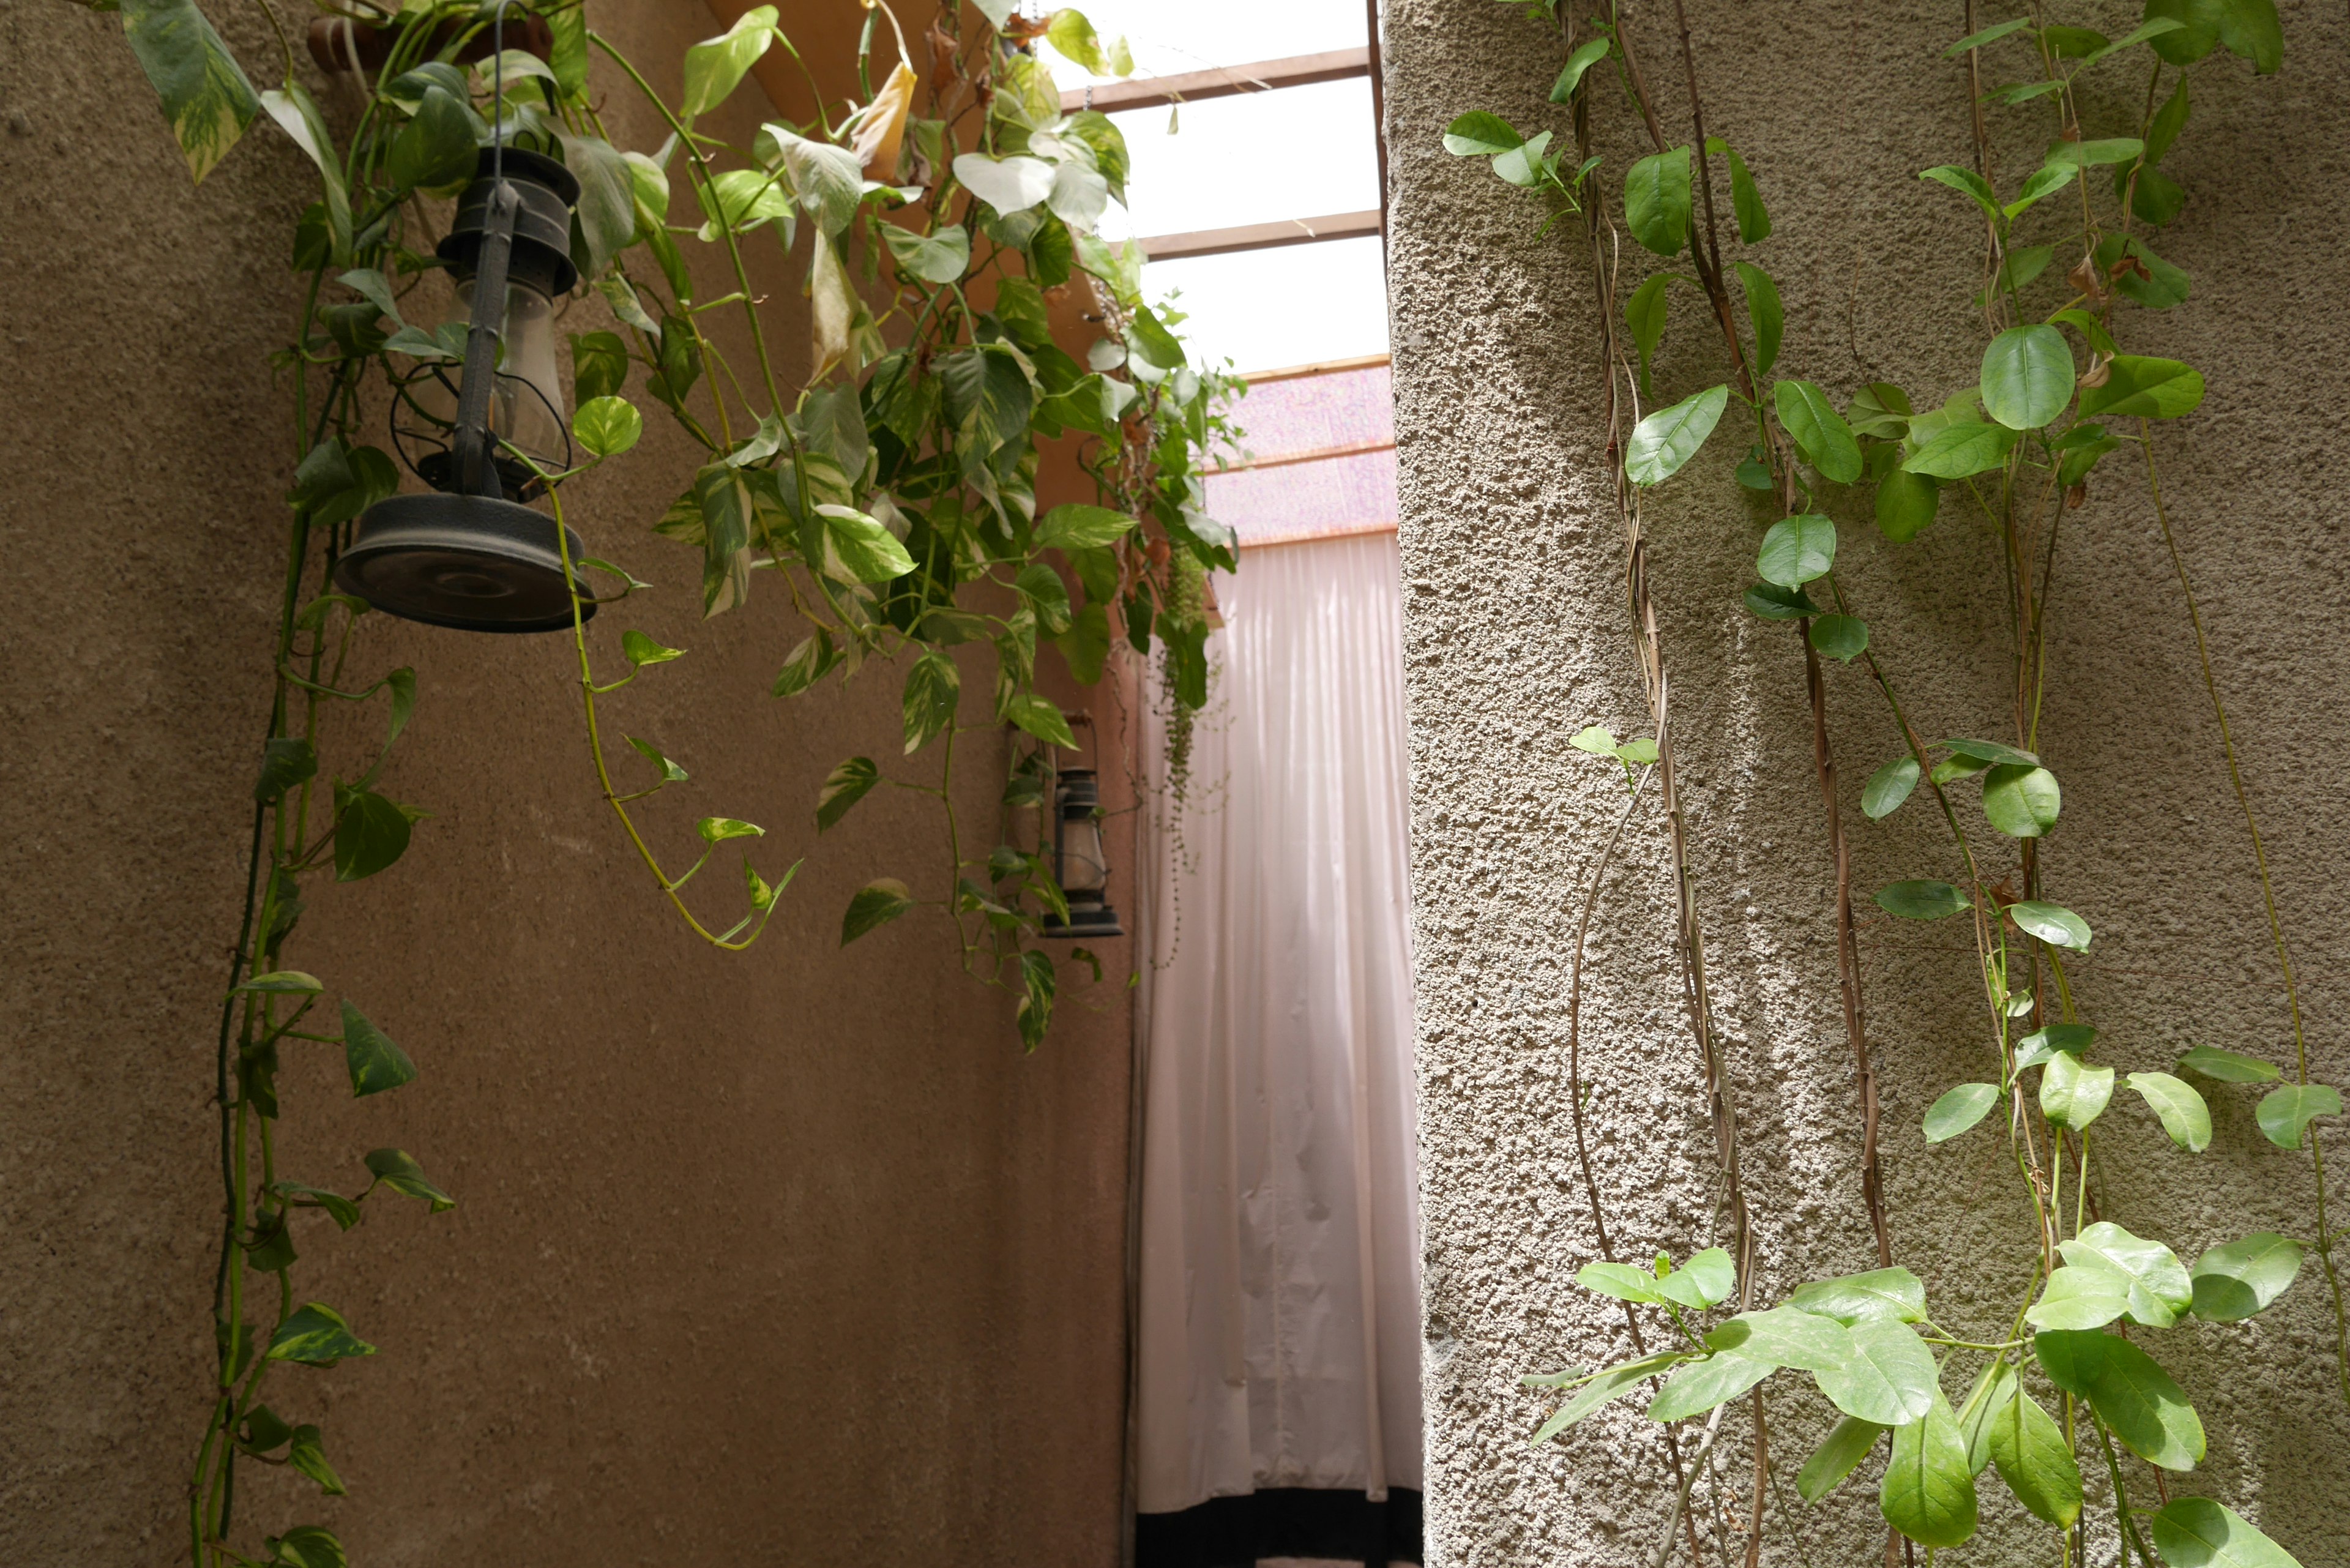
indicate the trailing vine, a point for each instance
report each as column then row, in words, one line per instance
column 893, row 499
column 2012, row 452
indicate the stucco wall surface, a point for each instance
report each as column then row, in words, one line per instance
column 786, row 1257
column 1517, row 636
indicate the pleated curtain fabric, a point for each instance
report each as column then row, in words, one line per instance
column 1277, row 1376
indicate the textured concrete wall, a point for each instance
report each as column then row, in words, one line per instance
column 788, row 1257
column 1517, row 636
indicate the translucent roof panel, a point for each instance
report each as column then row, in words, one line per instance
column 1196, row 34
column 1266, row 310
column 1251, row 158
column 1320, row 450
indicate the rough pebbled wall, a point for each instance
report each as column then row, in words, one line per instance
column 1517, row 636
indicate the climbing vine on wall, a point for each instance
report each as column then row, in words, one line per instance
column 2071, row 1382
column 950, row 213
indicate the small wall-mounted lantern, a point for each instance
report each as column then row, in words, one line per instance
column 471, row 555
column 1079, row 866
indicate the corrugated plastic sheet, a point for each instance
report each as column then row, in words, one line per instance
column 1287, row 502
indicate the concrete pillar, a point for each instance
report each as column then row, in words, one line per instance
column 1517, row 636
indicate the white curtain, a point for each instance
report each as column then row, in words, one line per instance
column 1278, row 1331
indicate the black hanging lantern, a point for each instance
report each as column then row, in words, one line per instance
column 471, row 555
column 1079, row 866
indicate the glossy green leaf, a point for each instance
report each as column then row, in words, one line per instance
column 877, row 903
column 1965, row 180
column 2140, row 387
column 847, row 784
column 1929, row 1489
column 1924, row 901
column 934, row 689
column 309, row 1456
column 607, row 426
column 2197, row 1533
column 2073, row 1094
column 2184, row 1115
column 1887, row 787
column 716, row 830
column 435, row 150
column 1589, row 52
column 315, row 1335
column 2027, row 377
column 1078, row 527
column 941, row 257
column 1699, row 1385
column 1840, row 636
column 1522, row 165
column 286, row 761
column 283, row 982
column 203, row 91
column 2229, row 1066
column 2198, row 31
column 307, row 1546
column 1612, row 1384
column 370, row 833
column 715, row 67
column 1797, row 550
column 1764, row 309
column 2154, row 283
column 2023, row 264
column 1962, row 450
column 2045, row 182
column 1906, row 505
column 1785, row 1336
column 398, row 1170
column 1958, row 1109
column 1890, row 1379
column 2021, row 802
column 2033, row 1458
column 1645, row 314
column 1846, row 1444
column 2251, row 28
column 2076, row 1299
column 1656, row 201
column 1988, row 752
column 2159, row 1292
column 375, row 1062
column 2037, row 1047
column 1825, row 439
column 2146, row 1410
column 1707, row 1279
column 1880, row 409
column 1622, row 1280
column 2286, row 1113
column 1753, row 218
column 669, row 772
column 1478, row 134
column 1040, row 717
column 297, row 114
column 599, row 365
column 2238, row 1278
column 859, row 549
column 1989, row 35
column 2052, row 923
column 1669, row 438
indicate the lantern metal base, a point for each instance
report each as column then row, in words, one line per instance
column 472, row 562
column 1085, row 920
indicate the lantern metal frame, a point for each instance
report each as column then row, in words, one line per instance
column 469, row 554
column 1076, row 797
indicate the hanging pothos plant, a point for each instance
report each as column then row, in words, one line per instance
column 891, row 499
